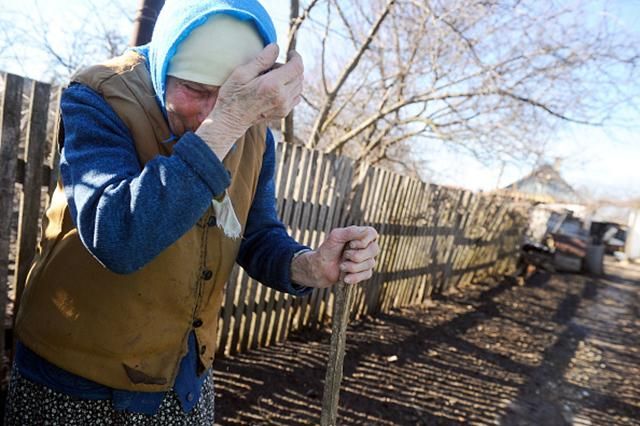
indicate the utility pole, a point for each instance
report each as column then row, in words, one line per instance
column 145, row 21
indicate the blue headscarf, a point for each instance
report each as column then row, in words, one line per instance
column 179, row 17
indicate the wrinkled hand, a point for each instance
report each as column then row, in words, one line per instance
column 256, row 92
column 349, row 252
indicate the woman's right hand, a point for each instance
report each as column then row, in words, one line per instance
column 256, row 92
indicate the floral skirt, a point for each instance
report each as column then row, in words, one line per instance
column 30, row 403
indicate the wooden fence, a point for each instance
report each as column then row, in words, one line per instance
column 432, row 238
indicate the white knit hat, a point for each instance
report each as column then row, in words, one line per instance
column 214, row 49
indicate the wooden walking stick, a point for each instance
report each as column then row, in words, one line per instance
column 331, row 397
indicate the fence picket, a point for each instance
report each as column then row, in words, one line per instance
column 30, row 199
column 9, row 143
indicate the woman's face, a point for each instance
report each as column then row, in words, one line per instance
column 188, row 103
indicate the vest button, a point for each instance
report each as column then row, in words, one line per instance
column 197, row 323
column 190, row 397
column 212, row 221
column 203, row 349
column 207, row 274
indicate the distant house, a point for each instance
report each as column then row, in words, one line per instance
column 546, row 181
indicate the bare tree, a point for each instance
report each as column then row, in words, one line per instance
column 95, row 31
column 495, row 78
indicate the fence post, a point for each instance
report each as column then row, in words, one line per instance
column 9, row 142
column 30, row 199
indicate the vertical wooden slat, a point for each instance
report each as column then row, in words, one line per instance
column 238, row 312
column 287, row 179
column 455, row 222
column 332, row 192
column 30, row 199
column 229, row 295
column 310, row 225
column 389, row 182
column 324, row 200
column 336, row 219
column 396, row 188
column 256, row 311
column 297, row 192
column 55, row 149
column 301, row 222
column 369, row 209
column 407, row 241
column 434, row 222
column 9, row 142
column 417, row 253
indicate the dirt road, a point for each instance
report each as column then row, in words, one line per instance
column 560, row 350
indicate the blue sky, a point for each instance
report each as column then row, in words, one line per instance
column 603, row 160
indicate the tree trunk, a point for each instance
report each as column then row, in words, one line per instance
column 287, row 122
column 145, row 21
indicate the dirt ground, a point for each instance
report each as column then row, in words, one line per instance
column 561, row 350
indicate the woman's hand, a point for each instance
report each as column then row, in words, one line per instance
column 348, row 252
column 256, row 92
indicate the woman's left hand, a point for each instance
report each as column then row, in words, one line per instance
column 348, row 252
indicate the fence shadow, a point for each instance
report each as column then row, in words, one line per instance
column 484, row 356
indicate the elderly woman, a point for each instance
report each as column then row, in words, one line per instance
column 167, row 179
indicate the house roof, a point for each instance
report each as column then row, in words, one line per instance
column 546, row 180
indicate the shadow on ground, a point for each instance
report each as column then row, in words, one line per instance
column 563, row 349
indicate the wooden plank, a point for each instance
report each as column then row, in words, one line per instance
column 309, row 222
column 470, row 206
column 426, row 211
column 294, row 305
column 455, row 220
column 324, row 226
column 300, row 192
column 390, row 183
column 266, row 295
column 282, row 167
column 418, row 250
column 54, row 159
column 287, row 178
column 274, row 296
column 369, row 210
column 229, row 295
column 389, row 287
column 407, row 242
column 433, row 251
column 296, row 179
column 30, row 199
column 394, row 201
column 9, row 143
column 325, row 199
column 288, row 184
column 257, row 316
column 360, row 191
column 336, row 219
column 247, row 313
column 399, row 204
column 238, row 311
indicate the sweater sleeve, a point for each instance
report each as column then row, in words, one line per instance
column 267, row 249
column 127, row 214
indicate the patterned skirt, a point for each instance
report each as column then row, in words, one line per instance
column 30, row 403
